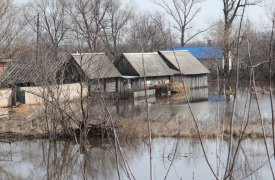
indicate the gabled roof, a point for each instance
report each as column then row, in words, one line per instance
column 96, row 65
column 153, row 64
column 30, row 73
column 202, row 52
column 184, row 61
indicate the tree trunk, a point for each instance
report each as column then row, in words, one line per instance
column 226, row 51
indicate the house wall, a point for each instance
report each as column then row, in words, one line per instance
column 150, row 81
column 107, row 85
column 150, row 92
column 5, row 97
column 65, row 92
column 198, row 94
column 111, row 85
column 96, row 85
column 192, row 81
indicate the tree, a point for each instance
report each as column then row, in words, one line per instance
column 87, row 18
column 51, row 23
column 183, row 12
column 231, row 10
column 115, row 32
column 150, row 31
column 11, row 26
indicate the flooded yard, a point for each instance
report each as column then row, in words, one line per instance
column 167, row 108
column 178, row 156
column 65, row 160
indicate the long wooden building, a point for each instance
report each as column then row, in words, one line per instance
column 188, row 69
column 139, row 65
column 30, row 83
column 100, row 71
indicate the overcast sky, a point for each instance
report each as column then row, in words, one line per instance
column 211, row 11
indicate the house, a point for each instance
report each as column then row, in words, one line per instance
column 189, row 71
column 48, row 73
column 209, row 56
column 139, row 65
column 101, row 72
column 186, row 68
column 28, row 83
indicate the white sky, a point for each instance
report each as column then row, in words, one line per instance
column 211, row 10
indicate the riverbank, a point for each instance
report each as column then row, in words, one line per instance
column 168, row 119
column 22, row 123
column 139, row 128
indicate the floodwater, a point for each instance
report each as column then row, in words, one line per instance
column 66, row 160
column 172, row 158
column 218, row 105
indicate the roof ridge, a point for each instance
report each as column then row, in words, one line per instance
column 77, row 53
column 141, row 53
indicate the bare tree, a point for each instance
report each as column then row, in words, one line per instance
column 87, row 18
column 183, row 12
column 231, row 10
column 11, row 26
column 150, row 30
column 115, row 32
column 52, row 22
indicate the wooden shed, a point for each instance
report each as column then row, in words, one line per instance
column 28, row 81
column 49, row 73
column 210, row 56
column 194, row 74
column 140, row 65
column 100, row 70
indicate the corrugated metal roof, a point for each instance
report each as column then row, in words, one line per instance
column 153, row 64
column 96, row 65
column 189, row 65
column 202, row 52
column 29, row 73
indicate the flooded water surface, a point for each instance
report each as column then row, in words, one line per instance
column 172, row 158
column 184, row 158
column 169, row 109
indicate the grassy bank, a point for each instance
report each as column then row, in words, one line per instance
column 26, row 122
column 138, row 128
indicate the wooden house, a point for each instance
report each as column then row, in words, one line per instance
column 29, row 82
column 48, row 73
column 101, row 72
column 139, row 65
column 210, row 56
column 186, row 68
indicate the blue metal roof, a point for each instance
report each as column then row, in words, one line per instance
column 202, row 52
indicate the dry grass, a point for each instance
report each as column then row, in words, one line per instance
column 137, row 128
column 27, row 121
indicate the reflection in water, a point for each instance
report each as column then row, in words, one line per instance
column 64, row 160
column 96, row 160
column 58, row 160
column 163, row 109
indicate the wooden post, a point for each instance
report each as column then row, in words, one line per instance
column 13, row 101
column 117, row 84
